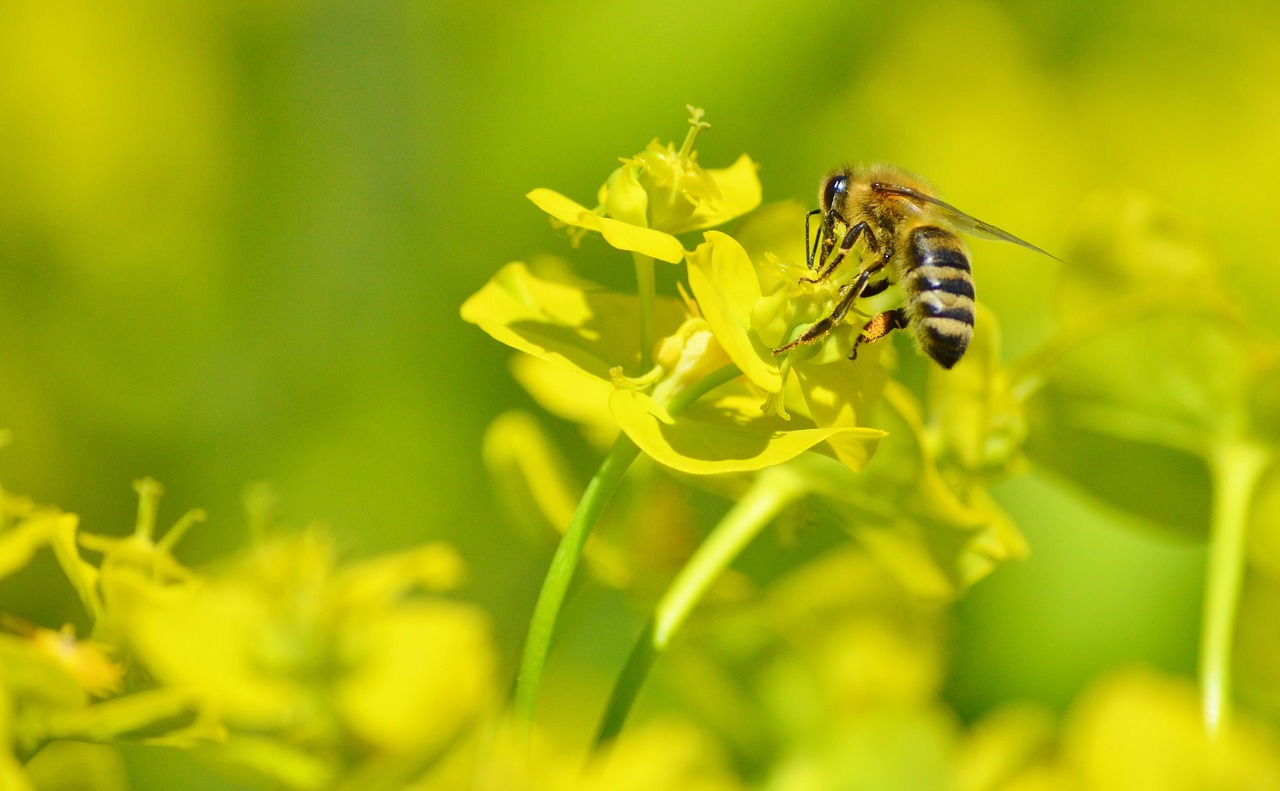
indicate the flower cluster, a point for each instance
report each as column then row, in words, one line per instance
column 692, row 383
column 283, row 663
column 739, row 408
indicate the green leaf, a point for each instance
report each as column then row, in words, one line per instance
column 1169, row 486
column 1153, row 371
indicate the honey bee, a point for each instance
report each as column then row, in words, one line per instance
column 912, row 239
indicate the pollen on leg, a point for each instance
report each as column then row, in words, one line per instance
column 880, row 325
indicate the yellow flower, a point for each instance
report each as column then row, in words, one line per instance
column 661, row 754
column 1137, row 729
column 751, row 300
column 586, row 332
column 302, row 658
column 657, row 193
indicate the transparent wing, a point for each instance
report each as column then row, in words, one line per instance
column 962, row 221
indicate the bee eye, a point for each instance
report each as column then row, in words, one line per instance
column 836, row 186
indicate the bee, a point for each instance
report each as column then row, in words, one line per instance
column 911, row 237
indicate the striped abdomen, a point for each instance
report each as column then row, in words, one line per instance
column 939, row 293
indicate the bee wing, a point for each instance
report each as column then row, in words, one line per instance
column 962, row 221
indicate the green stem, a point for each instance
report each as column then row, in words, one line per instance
column 647, row 290
column 677, row 403
column 774, row 489
column 565, row 561
column 538, row 642
column 1236, row 468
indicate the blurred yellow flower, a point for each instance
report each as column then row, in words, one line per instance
column 287, row 646
column 1141, row 730
column 419, row 674
column 663, row 755
column 86, row 660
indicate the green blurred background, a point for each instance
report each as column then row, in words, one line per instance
column 234, row 238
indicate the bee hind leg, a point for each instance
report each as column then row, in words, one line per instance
column 880, row 325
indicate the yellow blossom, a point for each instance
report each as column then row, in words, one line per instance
column 585, row 331
column 657, row 193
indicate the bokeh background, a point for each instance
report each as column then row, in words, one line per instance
column 234, row 238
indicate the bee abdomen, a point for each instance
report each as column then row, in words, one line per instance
column 939, row 290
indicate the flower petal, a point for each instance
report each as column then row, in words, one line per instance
column 937, row 541
column 624, row 199
column 646, row 241
column 707, row 197
column 739, row 192
column 427, row 672
column 619, row 234
column 565, row 320
column 705, row 447
column 727, row 289
column 564, row 209
column 567, row 394
column 843, row 394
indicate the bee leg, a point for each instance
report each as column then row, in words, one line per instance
column 848, row 295
column 825, row 240
column 846, row 244
column 876, row 288
column 880, row 325
column 812, row 249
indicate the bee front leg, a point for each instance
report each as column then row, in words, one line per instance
column 811, row 248
column 880, row 325
column 846, row 244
